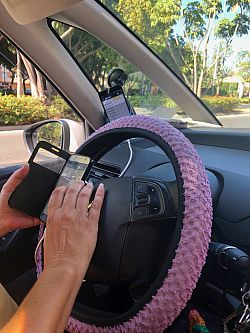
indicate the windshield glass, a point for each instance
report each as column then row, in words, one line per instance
column 97, row 60
column 205, row 42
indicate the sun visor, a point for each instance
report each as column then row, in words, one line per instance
column 29, row 11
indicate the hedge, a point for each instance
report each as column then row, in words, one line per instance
column 222, row 105
column 218, row 104
column 151, row 101
column 245, row 100
column 28, row 110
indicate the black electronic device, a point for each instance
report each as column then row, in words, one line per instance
column 47, row 163
column 74, row 170
column 115, row 103
column 45, row 166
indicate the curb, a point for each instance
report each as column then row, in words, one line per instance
column 13, row 128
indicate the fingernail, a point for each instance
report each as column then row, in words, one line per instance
column 90, row 183
column 101, row 185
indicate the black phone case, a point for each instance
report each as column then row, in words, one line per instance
column 34, row 191
column 109, row 92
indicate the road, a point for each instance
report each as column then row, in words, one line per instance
column 237, row 121
column 13, row 150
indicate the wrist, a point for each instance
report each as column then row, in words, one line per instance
column 66, row 270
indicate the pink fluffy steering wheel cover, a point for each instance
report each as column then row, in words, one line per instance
column 191, row 253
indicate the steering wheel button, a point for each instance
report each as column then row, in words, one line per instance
column 140, row 212
column 141, row 199
column 154, row 210
column 141, row 187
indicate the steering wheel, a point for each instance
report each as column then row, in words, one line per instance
column 145, row 237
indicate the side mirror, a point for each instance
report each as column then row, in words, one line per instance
column 56, row 132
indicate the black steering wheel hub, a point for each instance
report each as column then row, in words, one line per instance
column 135, row 215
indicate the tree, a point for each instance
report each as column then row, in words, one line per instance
column 204, row 21
column 152, row 20
column 182, row 35
column 7, row 56
column 20, row 66
column 244, row 65
column 19, row 90
column 96, row 58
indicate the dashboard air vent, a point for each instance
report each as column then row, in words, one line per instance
column 102, row 171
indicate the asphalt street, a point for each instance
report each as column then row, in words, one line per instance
column 12, row 148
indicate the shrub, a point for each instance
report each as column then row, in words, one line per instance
column 245, row 100
column 27, row 110
column 60, row 106
column 221, row 105
column 151, row 101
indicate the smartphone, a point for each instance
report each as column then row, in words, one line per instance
column 75, row 169
column 45, row 165
column 114, row 103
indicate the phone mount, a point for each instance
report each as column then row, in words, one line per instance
column 117, row 77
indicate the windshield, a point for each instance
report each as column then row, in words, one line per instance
column 205, row 42
column 98, row 59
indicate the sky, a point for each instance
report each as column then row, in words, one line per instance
column 238, row 43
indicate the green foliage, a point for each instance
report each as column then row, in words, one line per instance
column 94, row 56
column 221, row 105
column 244, row 65
column 61, row 109
column 194, row 20
column 245, row 100
column 225, row 28
column 229, row 89
column 244, row 4
column 152, row 20
column 151, row 102
column 51, row 132
column 7, row 91
column 182, row 35
column 27, row 110
column 7, row 55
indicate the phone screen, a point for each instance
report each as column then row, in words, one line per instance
column 114, row 103
column 74, row 170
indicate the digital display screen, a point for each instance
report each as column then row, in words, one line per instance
column 74, row 170
column 114, row 103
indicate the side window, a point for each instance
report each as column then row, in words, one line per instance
column 97, row 59
column 26, row 97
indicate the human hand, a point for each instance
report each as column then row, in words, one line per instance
column 11, row 219
column 71, row 230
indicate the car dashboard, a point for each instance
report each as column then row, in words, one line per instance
column 226, row 157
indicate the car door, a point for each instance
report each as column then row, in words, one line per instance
column 18, row 136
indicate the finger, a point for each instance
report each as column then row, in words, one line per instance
column 56, row 198
column 70, row 198
column 15, row 179
column 84, row 197
column 36, row 222
column 95, row 210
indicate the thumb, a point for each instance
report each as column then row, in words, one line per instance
column 14, row 180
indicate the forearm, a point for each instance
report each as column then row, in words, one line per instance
column 48, row 305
